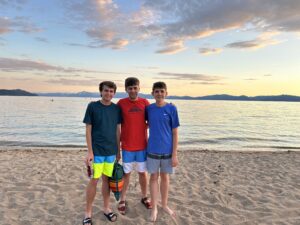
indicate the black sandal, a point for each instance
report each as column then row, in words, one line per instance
column 110, row 216
column 87, row 220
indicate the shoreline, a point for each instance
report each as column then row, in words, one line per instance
column 80, row 148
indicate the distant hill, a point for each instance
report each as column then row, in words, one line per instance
column 281, row 98
column 223, row 97
column 16, row 92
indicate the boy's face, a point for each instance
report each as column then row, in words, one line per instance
column 107, row 93
column 133, row 91
column 159, row 94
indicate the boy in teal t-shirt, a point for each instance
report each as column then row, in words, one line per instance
column 103, row 124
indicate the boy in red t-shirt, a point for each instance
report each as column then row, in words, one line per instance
column 133, row 140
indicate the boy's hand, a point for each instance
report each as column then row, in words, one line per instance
column 174, row 161
column 89, row 158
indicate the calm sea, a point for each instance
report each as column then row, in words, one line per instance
column 212, row 125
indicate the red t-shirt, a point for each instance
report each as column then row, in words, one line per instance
column 134, row 127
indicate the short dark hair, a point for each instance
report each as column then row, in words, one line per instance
column 131, row 81
column 109, row 84
column 159, row 85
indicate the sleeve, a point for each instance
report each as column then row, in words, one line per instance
column 88, row 114
column 175, row 118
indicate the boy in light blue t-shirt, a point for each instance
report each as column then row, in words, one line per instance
column 162, row 146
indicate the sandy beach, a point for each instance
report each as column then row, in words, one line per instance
column 42, row 186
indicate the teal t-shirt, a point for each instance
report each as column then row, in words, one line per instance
column 104, row 120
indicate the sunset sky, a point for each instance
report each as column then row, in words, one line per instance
column 198, row 47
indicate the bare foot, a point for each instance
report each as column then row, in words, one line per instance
column 153, row 214
column 169, row 211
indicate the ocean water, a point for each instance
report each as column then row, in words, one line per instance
column 211, row 125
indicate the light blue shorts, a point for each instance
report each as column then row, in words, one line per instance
column 159, row 164
column 133, row 159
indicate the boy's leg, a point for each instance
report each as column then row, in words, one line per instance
column 164, row 190
column 92, row 185
column 143, row 183
column 105, row 194
column 107, row 172
column 166, row 169
column 141, row 157
column 125, row 186
column 128, row 160
column 153, row 166
column 90, row 196
column 154, row 195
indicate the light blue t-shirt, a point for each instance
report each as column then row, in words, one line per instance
column 161, row 121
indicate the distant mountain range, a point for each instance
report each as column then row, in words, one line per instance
column 16, row 92
column 283, row 98
column 84, row 94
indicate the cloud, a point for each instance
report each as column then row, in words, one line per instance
column 41, row 39
column 74, row 82
column 5, row 25
column 172, row 47
column 263, row 40
column 174, row 22
column 188, row 20
column 11, row 65
column 253, row 44
column 186, row 76
column 74, row 75
column 116, row 43
column 209, row 51
column 251, row 79
column 20, row 24
column 147, row 67
column 110, row 26
column 103, row 34
column 80, row 82
column 104, row 23
column 207, row 83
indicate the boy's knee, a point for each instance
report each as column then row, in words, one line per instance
column 154, row 177
column 105, row 178
column 164, row 175
column 94, row 182
column 142, row 174
column 127, row 174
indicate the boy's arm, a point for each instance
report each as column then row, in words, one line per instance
column 118, row 141
column 175, row 145
column 88, row 135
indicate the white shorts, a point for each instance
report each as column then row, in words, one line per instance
column 134, row 160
